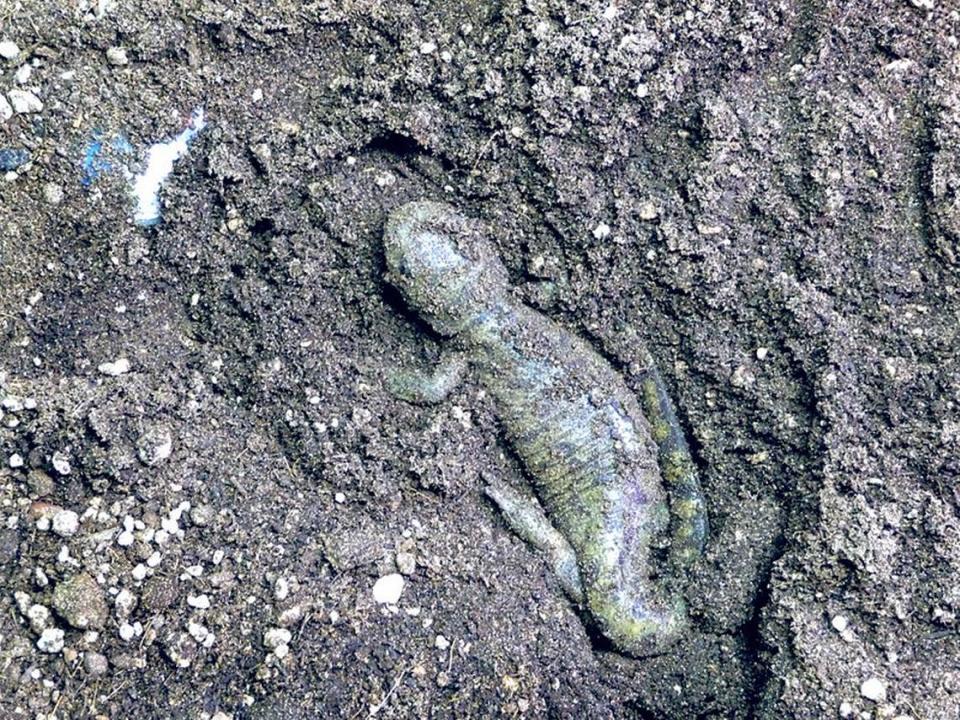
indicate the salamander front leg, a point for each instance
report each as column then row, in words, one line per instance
column 425, row 388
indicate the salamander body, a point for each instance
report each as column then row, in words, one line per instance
column 592, row 455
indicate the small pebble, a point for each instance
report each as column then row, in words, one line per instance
column 406, row 563
column 22, row 76
column 387, row 590
column 65, row 523
column 278, row 641
column 201, row 515
column 61, row 463
column 200, row 602
column 24, row 101
column 39, row 617
column 124, row 603
column 601, row 231
column 441, row 643
column 95, row 664
column 121, row 366
column 53, row 193
column 51, row 640
column 649, row 211
column 40, row 484
column 127, row 632
column 840, row 623
column 117, row 56
column 155, row 445
column 6, row 109
column 874, row 689
column 762, row 353
column 9, row 49
column 198, row 632
column 16, row 461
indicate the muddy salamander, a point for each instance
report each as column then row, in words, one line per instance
column 598, row 463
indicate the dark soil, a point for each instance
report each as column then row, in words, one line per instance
column 781, row 185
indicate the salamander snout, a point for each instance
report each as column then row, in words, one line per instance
column 442, row 266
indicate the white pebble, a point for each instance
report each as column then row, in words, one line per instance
column 201, row 602
column 426, row 48
column 16, row 461
column 51, row 640
column 9, row 49
column 24, row 101
column 441, row 643
column 65, row 523
column 139, row 572
column 340, row 498
column 39, row 616
column 120, row 366
column 275, row 637
column 874, row 689
column 22, row 75
column 6, row 109
column 281, row 589
column 154, row 559
column 387, row 590
column 127, row 632
column 601, row 231
column 117, row 56
column 125, row 539
column 197, row 631
column 61, row 463
column 124, row 602
column 762, row 353
column 840, row 623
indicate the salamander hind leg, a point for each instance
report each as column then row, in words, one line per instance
column 526, row 518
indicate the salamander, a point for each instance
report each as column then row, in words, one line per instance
column 612, row 471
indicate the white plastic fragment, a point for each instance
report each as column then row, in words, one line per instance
column 159, row 165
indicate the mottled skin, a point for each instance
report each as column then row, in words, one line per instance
column 579, row 431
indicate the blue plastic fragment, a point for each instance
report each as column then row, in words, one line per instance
column 12, row 158
column 100, row 156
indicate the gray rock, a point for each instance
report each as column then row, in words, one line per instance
column 155, row 445
column 95, row 664
column 40, row 483
column 80, row 602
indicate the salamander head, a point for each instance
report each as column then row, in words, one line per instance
column 442, row 266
